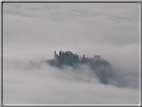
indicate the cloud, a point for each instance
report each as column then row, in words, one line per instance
column 48, row 85
column 32, row 32
column 101, row 25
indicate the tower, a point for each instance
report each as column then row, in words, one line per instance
column 83, row 56
column 54, row 52
column 55, row 55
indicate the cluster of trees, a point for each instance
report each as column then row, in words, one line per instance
column 99, row 66
column 66, row 58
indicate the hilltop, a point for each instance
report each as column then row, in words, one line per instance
column 99, row 66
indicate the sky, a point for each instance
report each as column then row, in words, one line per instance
column 33, row 31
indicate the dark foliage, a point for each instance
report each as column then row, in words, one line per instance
column 99, row 66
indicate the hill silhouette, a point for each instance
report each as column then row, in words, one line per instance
column 99, row 66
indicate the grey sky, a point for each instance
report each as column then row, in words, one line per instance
column 110, row 30
column 117, row 23
column 33, row 31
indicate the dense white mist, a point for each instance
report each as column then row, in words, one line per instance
column 49, row 85
column 32, row 32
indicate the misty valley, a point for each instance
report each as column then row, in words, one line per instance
column 68, row 79
column 71, row 53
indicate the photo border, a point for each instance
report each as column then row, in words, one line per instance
column 44, row 105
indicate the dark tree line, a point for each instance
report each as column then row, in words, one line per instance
column 99, row 66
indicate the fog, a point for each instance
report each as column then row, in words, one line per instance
column 32, row 32
column 48, row 85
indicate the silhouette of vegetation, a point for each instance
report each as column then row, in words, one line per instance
column 99, row 66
